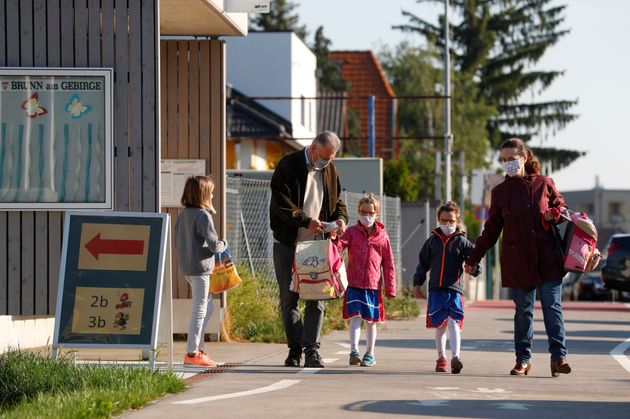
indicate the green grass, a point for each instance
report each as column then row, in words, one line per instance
column 253, row 312
column 32, row 385
column 403, row 307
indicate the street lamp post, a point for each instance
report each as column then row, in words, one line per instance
column 448, row 136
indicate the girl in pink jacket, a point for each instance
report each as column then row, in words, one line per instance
column 369, row 252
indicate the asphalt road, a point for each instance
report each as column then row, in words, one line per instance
column 404, row 384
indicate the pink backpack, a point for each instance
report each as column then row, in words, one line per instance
column 580, row 241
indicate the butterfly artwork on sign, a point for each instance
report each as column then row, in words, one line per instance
column 76, row 108
column 33, row 108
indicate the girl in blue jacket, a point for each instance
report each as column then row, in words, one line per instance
column 443, row 254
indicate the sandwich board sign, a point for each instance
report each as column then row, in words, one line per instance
column 110, row 280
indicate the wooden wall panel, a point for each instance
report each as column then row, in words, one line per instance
column 3, row 215
column 193, row 118
column 150, row 106
column 81, row 33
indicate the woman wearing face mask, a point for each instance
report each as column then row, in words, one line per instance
column 523, row 207
column 443, row 254
column 369, row 250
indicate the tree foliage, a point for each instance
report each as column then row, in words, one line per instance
column 496, row 45
column 414, row 71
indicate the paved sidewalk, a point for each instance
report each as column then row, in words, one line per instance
column 404, row 383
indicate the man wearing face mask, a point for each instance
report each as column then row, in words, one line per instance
column 305, row 197
column 524, row 207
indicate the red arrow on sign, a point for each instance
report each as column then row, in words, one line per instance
column 96, row 246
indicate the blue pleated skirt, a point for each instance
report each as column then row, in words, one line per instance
column 443, row 304
column 367, row 304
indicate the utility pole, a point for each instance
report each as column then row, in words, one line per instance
column 371, row 126
column 448, row 137
column 462, row 179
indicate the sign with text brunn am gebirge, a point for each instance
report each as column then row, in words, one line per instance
column 111, row 278
column 56, row 138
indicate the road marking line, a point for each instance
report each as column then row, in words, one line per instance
column 343, row 345
column 619, row 354
column 341, row 353
column 329, row 360
column 280, row 385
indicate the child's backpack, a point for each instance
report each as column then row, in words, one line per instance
column 318, row 271
column 580, row 253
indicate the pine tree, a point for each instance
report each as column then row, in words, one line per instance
column 280, row 18
column 496, row 43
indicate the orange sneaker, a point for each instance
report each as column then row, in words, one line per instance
column 200, row 359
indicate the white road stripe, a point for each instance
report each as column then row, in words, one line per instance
column 343, row 345
column 619, row 354
column 341, row 353
column 282, row 384
column 329, row 360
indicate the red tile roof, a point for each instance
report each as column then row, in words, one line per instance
column 367, row 77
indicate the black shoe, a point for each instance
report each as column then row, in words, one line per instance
column 295, row 355
column 313, row 360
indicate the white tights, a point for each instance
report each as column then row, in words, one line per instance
column 355, row 334
column 455, row 339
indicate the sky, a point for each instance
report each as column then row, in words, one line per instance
column 595, row 56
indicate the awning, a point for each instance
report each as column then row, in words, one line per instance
column 200, row 18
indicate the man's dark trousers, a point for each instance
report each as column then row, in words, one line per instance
column 298, row 335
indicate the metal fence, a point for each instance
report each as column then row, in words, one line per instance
column 250, row 238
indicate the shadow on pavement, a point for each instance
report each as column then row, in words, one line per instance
column 539, row 319
column 576, row 343
column 610, row 334
column 495, row 409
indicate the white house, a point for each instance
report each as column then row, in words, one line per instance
column 274, row 64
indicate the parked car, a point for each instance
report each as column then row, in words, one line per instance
column 568, row 286
column 585, row 286
column 616, row 271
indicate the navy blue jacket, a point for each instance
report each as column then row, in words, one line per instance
column 444, row 257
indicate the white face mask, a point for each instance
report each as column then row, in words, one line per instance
column 321, row 164
column 448, row 229
column 512, row 167
column 367, row 220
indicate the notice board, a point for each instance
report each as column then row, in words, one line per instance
column 56, row 138
column 173, row 176
column 111, row 276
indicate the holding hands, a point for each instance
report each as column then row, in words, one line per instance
column 472, row 270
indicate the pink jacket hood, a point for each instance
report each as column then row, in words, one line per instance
column 367, row 255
